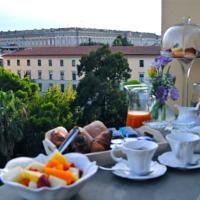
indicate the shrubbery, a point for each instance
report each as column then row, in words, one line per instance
column 131, row 82
column 25, row 115
column 47, row 112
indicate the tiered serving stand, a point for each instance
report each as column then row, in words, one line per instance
column 182, row 42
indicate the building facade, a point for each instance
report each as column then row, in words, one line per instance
column 58, row 65
column 15, row 40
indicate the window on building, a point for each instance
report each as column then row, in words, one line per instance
column 141, row 63
column 73, row 63
column 39, row 74
column 61, row 62
column 40, row 85
column 8, row 62
column 74, row 76
column 19, row 73
column 62, row 87
column 74, row 86
column 62, row 75
column 50, row 63
column 39, row 62
column 28, row 74
column 18, row 62
column 50, row 75
column 28, row 63
column 141, row 77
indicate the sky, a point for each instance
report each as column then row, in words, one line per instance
column 129, row 15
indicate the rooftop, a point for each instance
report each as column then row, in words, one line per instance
column 84, row 50
column 24, row 33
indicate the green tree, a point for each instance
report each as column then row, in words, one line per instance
column 98, row 92
column 42, row 113
column 121, row 41
column 91, row 43
column 105, row 65
column 47, row 112
column 21, row 87
column 12, row 118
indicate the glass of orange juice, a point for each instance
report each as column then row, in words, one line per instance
column 138, row 109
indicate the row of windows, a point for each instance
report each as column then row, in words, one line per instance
column 50, row 63
column 39, row 62
column 62, row 75
column 62, row 86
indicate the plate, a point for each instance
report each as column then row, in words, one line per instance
column 156, row 168
column 183, row 124
column 196, row 130
column 157, row 124
column 170, row 160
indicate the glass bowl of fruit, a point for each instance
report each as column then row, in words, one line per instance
column 182, row 40
column 48, row 177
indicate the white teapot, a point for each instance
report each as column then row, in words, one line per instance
column 187, row 114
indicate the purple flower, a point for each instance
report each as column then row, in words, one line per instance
column 160, row 60
column 174, row 93
column 161, row 94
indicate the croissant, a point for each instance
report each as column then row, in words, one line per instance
column 82, row 142
column 102, row 141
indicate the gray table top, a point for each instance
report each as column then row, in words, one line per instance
column 174, row 185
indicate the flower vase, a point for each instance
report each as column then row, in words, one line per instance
column 158, row 111
column 161, row 116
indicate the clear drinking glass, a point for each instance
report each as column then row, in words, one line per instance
column 195, row 94
column 138, row 109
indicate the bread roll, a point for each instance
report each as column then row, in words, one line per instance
column 82, row 142
column 57, row 135
column 102, row 141
column 95, row 128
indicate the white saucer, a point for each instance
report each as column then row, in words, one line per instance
column 196, row 130
column 170, row 160
column 157, row 170
column 160, row 125
column 182, row 124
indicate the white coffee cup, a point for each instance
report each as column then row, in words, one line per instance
column 139, row 155
column 183, row 146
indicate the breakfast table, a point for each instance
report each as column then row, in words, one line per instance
column 174, row 185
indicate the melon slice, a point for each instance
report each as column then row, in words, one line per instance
column 55, row 181
column 31, row 175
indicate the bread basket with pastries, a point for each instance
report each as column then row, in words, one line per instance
column 93, row 137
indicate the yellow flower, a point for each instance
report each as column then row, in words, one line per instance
column 152, row 71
